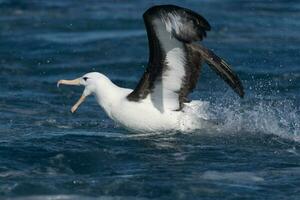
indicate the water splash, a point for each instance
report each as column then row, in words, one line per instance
column 278, row 117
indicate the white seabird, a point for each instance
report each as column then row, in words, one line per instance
column 158, row 102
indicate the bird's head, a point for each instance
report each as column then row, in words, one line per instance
column 89, row 81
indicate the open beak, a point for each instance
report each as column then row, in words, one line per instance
column 73, row 82
column 77, row 104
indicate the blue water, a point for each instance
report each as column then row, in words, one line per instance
column 48, row 153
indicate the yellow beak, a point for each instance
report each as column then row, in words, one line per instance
column 77, row 104
column 69, row 82
column 73, row 82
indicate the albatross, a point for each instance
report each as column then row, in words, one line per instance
column 159, row 100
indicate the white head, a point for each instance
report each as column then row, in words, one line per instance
column 89, row 81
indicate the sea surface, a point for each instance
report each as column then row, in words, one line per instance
column 48, row 153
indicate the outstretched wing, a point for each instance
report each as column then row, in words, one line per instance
column 173, row 66
column 221, row 68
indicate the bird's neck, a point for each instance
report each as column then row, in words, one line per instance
column 108, row 94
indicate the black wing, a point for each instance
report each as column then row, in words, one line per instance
column 173, row 66
column 221, row 68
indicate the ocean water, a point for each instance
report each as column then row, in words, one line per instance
column 48, row 153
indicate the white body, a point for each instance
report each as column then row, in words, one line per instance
column 136, row 116
column 140, row 116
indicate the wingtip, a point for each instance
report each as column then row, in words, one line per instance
column 240, row 91
column 242, row 95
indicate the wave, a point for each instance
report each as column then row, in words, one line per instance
column 84, row 37
column 75, row 197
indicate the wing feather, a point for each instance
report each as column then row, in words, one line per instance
column 222, row 68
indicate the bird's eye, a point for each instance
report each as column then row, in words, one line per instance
column 85, row 78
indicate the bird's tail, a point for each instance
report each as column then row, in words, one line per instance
column 222, row 68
